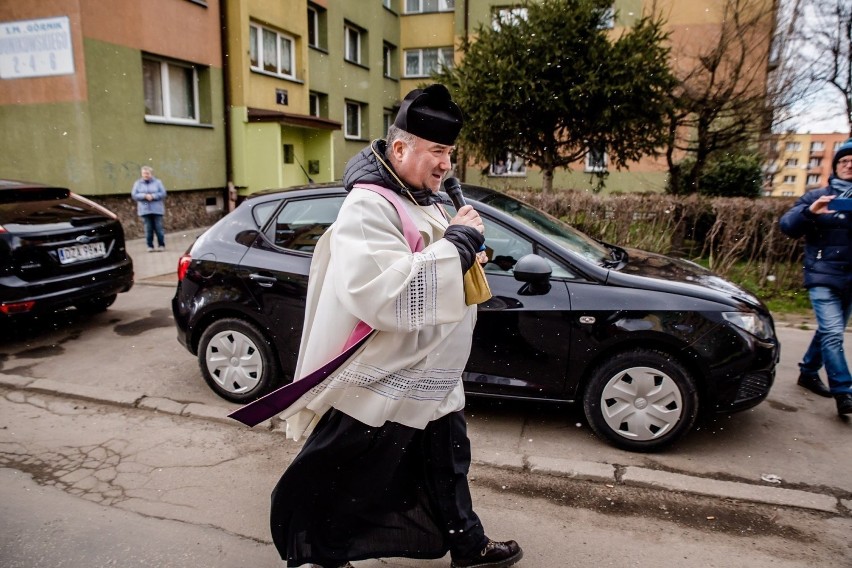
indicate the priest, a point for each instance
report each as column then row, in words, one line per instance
column 383, row 471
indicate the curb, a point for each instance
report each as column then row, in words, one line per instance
column 557, row 467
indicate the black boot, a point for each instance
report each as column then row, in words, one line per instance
column 494, row 555
column 813, row 383
column 844, row 403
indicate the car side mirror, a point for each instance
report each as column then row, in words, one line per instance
column 247, row 237
column 535, row 272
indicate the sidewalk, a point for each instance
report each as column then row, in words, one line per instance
column 160, row 267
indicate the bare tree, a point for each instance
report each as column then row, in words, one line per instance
column 827, row 34
column 720, row 104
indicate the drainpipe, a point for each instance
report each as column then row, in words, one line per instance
column 230, row 196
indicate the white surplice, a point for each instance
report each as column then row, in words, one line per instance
column 409, row 371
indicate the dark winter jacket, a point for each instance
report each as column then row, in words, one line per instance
column 828, row 238
column 369, row 166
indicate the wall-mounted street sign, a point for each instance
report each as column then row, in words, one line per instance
column 36, row 48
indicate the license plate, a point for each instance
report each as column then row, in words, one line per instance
column 81, row 252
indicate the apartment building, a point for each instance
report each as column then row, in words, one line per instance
column 91, row 90
column 254, row 94
column 800, row 163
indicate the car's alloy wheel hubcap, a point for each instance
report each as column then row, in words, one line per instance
column 234, row 361
column 641, row 403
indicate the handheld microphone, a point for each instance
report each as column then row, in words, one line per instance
column 453, row 189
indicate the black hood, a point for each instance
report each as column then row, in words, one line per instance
column 667, row 269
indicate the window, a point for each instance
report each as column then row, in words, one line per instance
column 425, row 6
column 817, row 146
column 313, row 27
column 425, row 62
column 388, row 56
column 317, row 26
column 300, row 224
column 318, row 104
column 387, row 4
column 813, row 179
column 352, row 119
column 791, row 163
column 272, row 52
column 352, row 43
column 507, row 164
column 507, row 17
column 171, row 91
column 289, row 153
column 387, row 120
column 793, row 146
column 608, row 18
column 789, row 179
column 596, row 160
column 837, row 145
column 815, row 163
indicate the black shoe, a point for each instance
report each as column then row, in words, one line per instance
column 844, row 403
column 813, row 383
column 494, row 555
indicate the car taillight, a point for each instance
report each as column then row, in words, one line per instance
column 16, row 307
column 2, row 230
column 183, row 266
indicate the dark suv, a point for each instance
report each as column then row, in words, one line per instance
column 644, row 342
column 58, row 249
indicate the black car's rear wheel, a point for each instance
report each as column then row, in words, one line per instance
column 237, row 361
column 641, row 400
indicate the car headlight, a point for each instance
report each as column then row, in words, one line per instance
column 756, row 324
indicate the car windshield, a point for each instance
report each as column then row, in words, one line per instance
column 551, row 227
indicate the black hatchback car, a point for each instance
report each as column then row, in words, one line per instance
column 58, row 249
column 646, row 343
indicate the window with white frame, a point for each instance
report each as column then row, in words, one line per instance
column 352, row 43
column 424, row 62
column 388, row 56
column 352, row 120
column 507, row 17
column 272, row 52
column 817, row 146
column 837, row 145
column 813, row 179
column 317, row 26
column 426, row 6
column 793, row 146
column 596, row 160
column 171, row 91
column 815, row 163
column 789, row 179
column 387, row 4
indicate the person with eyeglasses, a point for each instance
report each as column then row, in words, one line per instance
column 828, row 278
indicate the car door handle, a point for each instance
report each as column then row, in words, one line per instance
column 265, row 281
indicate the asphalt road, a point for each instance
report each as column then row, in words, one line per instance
column 84, row 484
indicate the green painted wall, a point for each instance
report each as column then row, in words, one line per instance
column 96, row 147
column 617, row 181
column 48, row 143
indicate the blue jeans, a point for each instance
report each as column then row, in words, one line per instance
column 832, row 309
column 154, row 224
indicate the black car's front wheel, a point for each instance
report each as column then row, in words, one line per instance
column 641, row 400
column 237, row 361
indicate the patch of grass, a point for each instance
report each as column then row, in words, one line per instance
column 782, row 294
